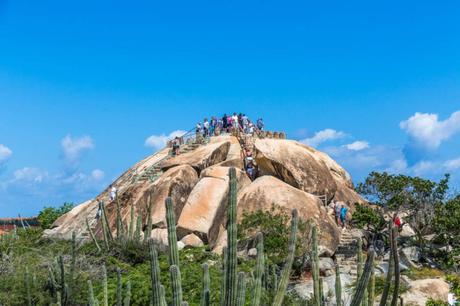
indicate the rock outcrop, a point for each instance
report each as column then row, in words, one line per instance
column 201, row 158
column 293, row 175
column 205, row 209
column 268, row 190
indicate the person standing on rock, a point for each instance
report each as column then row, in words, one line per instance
column 99, row 209
column 343, row 216
column 205, row 127
column 175, row 146
column 337, row 209
column 235, row 122
column 260, row 124
column 113, row 193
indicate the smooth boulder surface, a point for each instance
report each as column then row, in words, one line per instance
column 176, row 183
column 75, row 220
column 206, row 207
column 267, row 190
column 296, row 165
column 202, row 157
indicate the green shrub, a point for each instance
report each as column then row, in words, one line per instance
column 432, row 302
column 48, row 215
column 274, row 225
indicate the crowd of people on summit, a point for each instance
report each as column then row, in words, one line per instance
column 228, row 123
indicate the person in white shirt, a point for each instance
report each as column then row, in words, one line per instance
column 206, row 127
column 113, row 193
column 235, row 121
column 451, row 300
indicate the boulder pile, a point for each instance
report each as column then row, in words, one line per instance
column 291, row 175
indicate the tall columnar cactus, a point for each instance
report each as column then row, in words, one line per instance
column 278, row 300
column 157, row 294
column 176, row 283
column 172, row 236
column 259, row 273
column 119, row 222
column 105, row 302
column 360, row 264
column 315, row 266
column 148, row 230
column 163, row 296
column 338, row 286
column 371, row 288
column 394, row 236
column 91, row 299
column 223, row 285
column 389, row 277
column 119, row 288
column 205, row 292
column 27, row 285
column 231, row 275
column 363, row 282
column 137, row 232
column 63, row 286
column 93, row 237
column 73, row 262
column 127, row 299
column 274, row 278
column 105, row 223
column 359, row 253
column 241, row 285
column 131, row 223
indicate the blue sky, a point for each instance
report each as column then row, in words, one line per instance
column 83, row 85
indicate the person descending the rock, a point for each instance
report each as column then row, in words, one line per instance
column 113, row 193
column 99, row 209
column 250, row 169
column 343, row 216
column 198, row 128
column 260, row 124
column 175, row 146
column 397, row 221
column 337, row 209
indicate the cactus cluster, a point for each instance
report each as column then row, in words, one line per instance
column 235, row 284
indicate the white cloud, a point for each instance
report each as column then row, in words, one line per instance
column 323, row 136
column 159, row 141
column 72, row 147
column 427, row 131
column 29, row 174
column 453, row 164
column 97, row 174
column 357, row 145
column 5, row 153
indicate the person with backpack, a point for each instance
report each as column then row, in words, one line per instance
column 343, row 216
column 260, row 124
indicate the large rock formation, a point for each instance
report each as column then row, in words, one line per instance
column 201, row 158
column 268, row 190
column 206, row 206
column 305, row 168
column 292, row 176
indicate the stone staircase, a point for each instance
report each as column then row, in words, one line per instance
column 155, row 171
column 346, row 253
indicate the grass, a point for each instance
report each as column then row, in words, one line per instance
column 423, row 273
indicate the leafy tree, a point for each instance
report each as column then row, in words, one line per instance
column 48, row 215
column 447, row 228
column 416, row 197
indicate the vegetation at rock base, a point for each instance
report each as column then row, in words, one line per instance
column 125, row 269
column 274, row 227
column 48, row 215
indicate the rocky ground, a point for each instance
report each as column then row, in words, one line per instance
column 292, row 175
